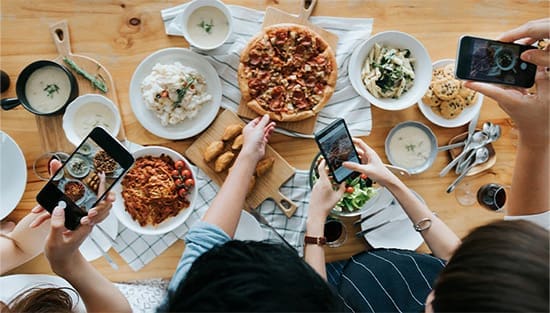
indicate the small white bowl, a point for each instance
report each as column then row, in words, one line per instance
column 463, row 118
column 433, row 146
column 194, row 6
column 422, row 69
column 83, row 105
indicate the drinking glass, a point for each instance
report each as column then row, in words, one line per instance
column 41, row 166
column 335, row 232
column 465, row 194
column 492, row 196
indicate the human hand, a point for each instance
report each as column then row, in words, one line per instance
column 323, row 196
column 256, row 135
column 371, row 164
column 530, row 112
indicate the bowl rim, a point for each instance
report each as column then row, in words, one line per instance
column 433, row 141
column 430, row 116
column 196, row 4
column 355, row 66
column 78, row 103
column 120, row 210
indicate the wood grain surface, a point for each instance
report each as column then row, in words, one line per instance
column 120, row 33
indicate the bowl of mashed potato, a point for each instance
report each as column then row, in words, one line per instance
column 89, row 111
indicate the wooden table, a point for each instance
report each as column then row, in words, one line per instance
column 102, row 30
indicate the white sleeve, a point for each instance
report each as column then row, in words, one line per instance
column 541, row 219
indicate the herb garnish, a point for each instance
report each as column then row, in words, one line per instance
column 182, row 91
column 50, row 89
column 410, row 147
column 206, row 26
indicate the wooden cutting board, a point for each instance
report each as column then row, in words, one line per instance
column 266, row 187
column 51, row 127
column 275, row 16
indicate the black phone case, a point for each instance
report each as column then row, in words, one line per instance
column 50, row 196
column 323, row 133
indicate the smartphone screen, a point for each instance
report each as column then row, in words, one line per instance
column 494, row 61
column 75, row 185
column 336, row 146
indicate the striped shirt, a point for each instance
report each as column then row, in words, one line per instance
column 385, row 280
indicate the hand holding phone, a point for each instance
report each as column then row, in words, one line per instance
column 494, row 62
column 75, row 186
column 336, row 146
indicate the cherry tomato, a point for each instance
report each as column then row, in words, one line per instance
column 364, row 176
column 178, row 182
column 175, row 173
column 189, row 182
column 182, row 192
column 179, row 164
column 186, row 173
column 349, row 189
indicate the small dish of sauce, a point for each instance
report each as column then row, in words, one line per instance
column 411, row 145
column 207, row 24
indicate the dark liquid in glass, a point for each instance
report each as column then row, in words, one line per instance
column 333, row 230
column 492, row 196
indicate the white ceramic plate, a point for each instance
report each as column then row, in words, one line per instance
column 88, row 249
column 188, row 127
column 465, row 117
column 399, row 233
column 422, row 69
column 169, row 224
column 249, row 228
column 13, row 174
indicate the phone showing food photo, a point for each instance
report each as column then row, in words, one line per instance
column 336, row 146
column 75, row 185
column 493, row 61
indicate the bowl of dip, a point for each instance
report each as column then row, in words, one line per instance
column 206, row 24
column 87, row 112
column 43, row 88
column 411, row 145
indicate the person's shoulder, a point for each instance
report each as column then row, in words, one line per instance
column 540, row 219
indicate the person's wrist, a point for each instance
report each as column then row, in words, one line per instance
column 67, row 265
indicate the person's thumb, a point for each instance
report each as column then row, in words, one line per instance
column 536, row 56
column 57, row 222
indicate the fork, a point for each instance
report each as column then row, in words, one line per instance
column 368, row 230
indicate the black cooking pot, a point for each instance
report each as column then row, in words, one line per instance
column 10, row 103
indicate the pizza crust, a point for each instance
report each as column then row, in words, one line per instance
column 282, row 116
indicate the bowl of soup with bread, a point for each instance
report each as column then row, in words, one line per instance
column 43, row 88
column 206, row 24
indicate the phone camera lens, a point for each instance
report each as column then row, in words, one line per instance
column 523, row 66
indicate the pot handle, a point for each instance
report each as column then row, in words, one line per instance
column 9, row 103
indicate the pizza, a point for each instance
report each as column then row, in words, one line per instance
column 287, row 71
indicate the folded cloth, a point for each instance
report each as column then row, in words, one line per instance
column 138, row 250
column 345, row 102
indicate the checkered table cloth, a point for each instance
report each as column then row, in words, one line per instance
column 345, row 102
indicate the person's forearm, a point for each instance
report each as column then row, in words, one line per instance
column 439, row 237
column 24, row 243
column 314, row 254
column 225, row 210
column 97, row 292
column 530, row 180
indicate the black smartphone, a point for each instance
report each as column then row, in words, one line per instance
column 494, row 62
column 336, row 146
column 75, row 185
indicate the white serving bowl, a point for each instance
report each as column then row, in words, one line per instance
column 192, row 7
column 78, row 105
column 172, row 222
column 422, row 69
column 463, row 118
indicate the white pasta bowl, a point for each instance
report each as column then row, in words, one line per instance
column 170, row 223
column 422, row 69
column 88, row 111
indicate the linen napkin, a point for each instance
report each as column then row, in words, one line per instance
column 345, row 102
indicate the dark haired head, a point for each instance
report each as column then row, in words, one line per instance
column 41, row 300
column 252, row 277
column 500, row 267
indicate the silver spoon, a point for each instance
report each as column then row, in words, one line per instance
column 479, row 139
column 482, row 155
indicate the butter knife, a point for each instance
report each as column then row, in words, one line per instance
column 368, row 230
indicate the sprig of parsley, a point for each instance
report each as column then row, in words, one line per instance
column 183, row 91
column 206, row 26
